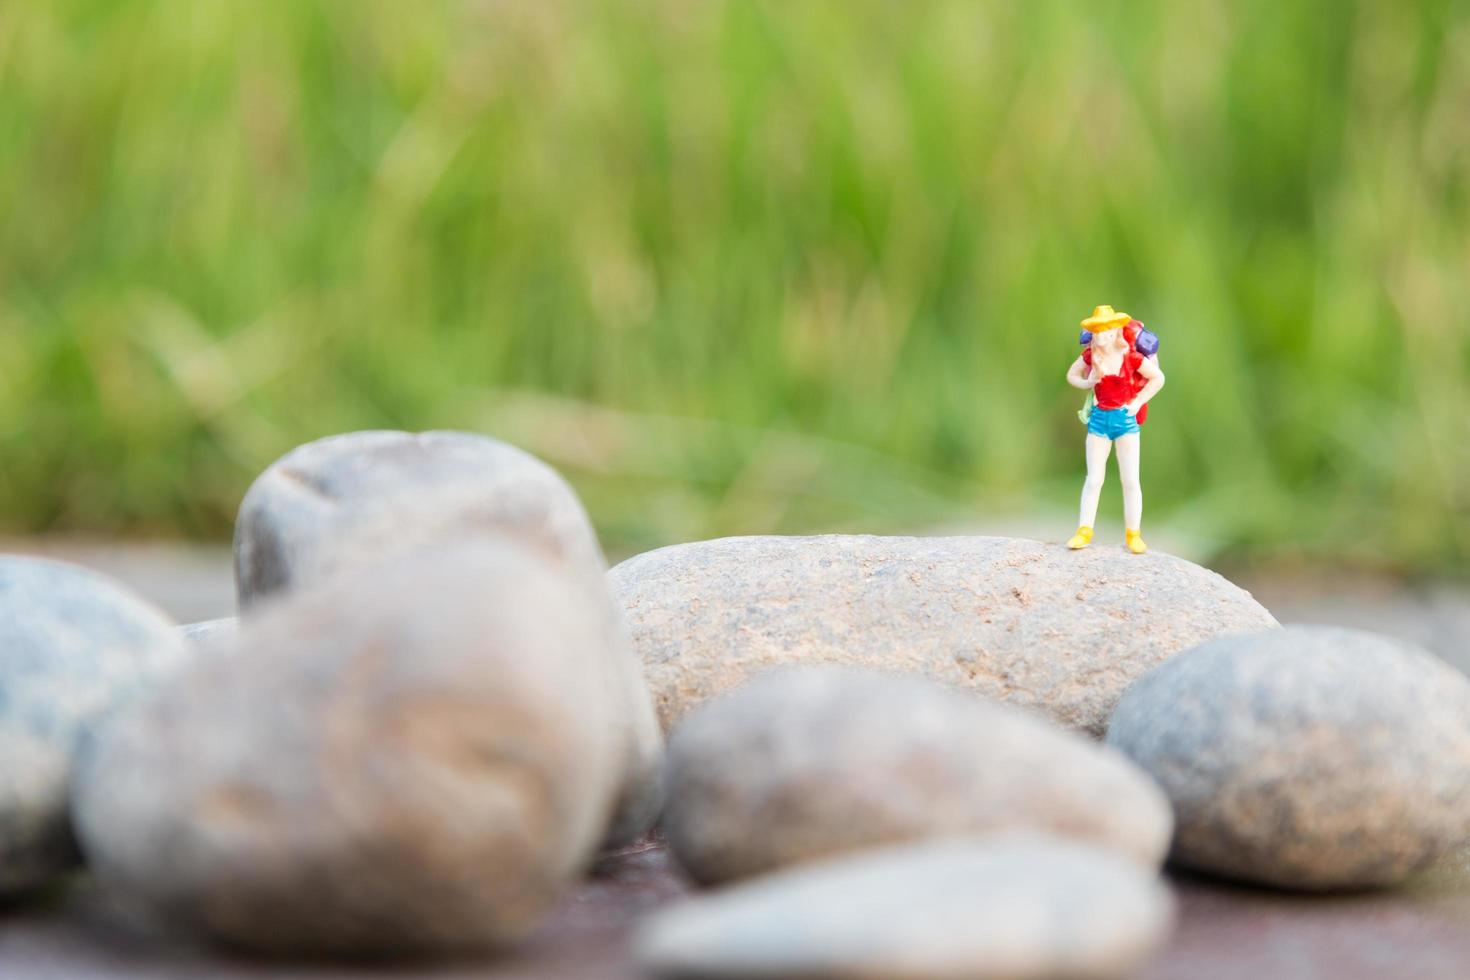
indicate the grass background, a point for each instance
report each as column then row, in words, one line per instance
column 741, row 267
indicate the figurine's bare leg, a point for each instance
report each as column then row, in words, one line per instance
column 1098, row 449
column 1128, row 452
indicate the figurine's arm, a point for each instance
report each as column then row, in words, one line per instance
column 1077, row 375
column 1151, row 371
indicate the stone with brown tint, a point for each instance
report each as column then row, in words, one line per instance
column 417, row 757
column 1007, row 908
column 1307, row 757
column 1020, row 621
column 805, row 762
column 350, row 500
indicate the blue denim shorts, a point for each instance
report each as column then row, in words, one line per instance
column 1111, row 422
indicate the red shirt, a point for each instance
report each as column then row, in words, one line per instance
column 1116, row 390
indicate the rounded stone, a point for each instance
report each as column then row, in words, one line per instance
column 74, row 645
column 391, row 763
column 1020, row 621
column 209, row 630
column 1308, row 757
column 1008, row 908
column 351, row 500
column 805, row 762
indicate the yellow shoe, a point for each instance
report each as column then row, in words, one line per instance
column 1081, row 539
column 1134, row 541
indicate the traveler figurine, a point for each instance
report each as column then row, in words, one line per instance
column 1120, row 367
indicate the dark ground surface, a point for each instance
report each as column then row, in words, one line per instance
column 1417, row 932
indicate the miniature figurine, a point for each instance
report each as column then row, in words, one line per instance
column 1120, row 368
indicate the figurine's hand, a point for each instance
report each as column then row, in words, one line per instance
column 1132, row 410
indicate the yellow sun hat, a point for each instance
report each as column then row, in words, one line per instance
column 1105, row 318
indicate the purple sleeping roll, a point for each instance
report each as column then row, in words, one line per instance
column 1147, row 343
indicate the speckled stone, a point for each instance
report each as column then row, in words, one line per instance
column 386, row 764
column 1307, row 757
column 348, row 501
column 1020, row 621
column 805, row 762
column 1003, row 908
column 73, row 645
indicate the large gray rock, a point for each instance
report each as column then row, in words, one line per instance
column 73, row 645
column 348, row 501
column 1306, row 757
column 806, row 762
column 390, row 763
column 1004, row 908
column 1020, row 621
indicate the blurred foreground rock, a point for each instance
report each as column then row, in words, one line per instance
column 1004, row 907
column 210, row 630
column 74, row 645
column 1014, row 620
column 1306, row 757
column 387, row 764
column 1434, row 615
column 349, row 501
column 807, row 762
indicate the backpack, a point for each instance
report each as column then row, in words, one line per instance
column 1145, row 341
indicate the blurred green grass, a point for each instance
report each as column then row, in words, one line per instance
column 745, row 266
